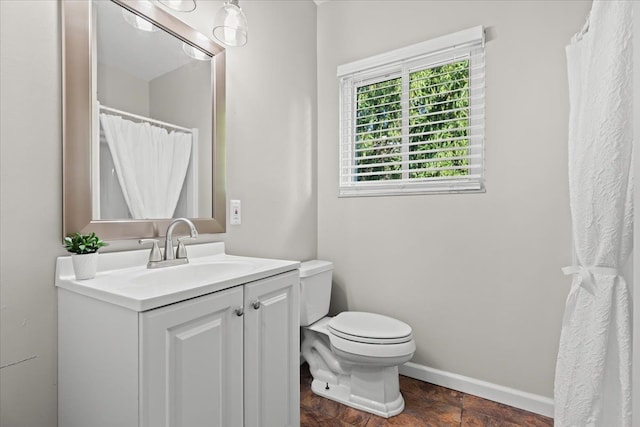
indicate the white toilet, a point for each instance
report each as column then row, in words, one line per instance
column 354, row 356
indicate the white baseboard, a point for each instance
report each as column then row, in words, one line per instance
column 509, row 396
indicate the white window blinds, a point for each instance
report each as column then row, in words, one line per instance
column 412, row 120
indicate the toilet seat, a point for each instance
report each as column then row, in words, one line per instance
column 376, row 352
column 369, row 328
column 370, row 334
column 367, row 340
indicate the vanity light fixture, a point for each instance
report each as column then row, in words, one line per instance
column 194, row 52
column 230, row 25
column 137, row 22
column 180, row 5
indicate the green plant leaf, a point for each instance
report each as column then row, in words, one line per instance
column 83, row 243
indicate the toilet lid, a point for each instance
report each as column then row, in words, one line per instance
column 369, row 328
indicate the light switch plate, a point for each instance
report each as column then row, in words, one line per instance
column 236, row 212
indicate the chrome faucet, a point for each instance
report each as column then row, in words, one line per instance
column 181, row 252
column 157, row 260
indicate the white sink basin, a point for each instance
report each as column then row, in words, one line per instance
column 124, row 280
column 194, row 274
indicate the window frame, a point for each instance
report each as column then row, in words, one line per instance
column 401, row 63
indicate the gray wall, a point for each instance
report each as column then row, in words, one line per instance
column 30, row 210
column 117, row 89
column 270, row 166
column 271, row 132
column 477, row 276
column 636, row 218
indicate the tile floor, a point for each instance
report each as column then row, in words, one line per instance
column 425, row 405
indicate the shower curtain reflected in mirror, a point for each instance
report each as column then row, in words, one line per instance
column 151, row 164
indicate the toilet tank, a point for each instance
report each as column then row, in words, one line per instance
column 315, row 290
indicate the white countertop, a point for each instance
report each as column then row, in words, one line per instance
column 123, row 278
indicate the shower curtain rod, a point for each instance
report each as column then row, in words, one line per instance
column 146, row 119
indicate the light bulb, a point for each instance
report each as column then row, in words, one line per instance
column 137, row 22
column 230, row 25
column 195, row 53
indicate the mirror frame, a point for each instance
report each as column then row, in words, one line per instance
column 77, row 99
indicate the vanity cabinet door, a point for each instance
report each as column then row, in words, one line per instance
column 191, row 363
column 272, row 345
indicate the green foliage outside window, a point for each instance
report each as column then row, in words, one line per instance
column 437, row 125
column 439, row 120
column 379, row 129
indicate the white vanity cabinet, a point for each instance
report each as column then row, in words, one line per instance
column 228, row 358
column 272, row 352
column 191, row 362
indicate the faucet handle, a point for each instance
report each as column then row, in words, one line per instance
column 181, row 252
column 155, row 254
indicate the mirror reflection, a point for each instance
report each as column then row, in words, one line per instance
column 152, row 121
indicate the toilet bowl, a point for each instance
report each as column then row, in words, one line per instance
column 354, row 356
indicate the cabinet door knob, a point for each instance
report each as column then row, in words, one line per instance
column 256, row 304
column 239, row 311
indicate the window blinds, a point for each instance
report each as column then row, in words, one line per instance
column 412, row 120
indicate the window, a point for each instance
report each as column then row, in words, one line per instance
column 412, row 120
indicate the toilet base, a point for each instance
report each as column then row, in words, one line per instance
column 342, row 394
column 364, row 382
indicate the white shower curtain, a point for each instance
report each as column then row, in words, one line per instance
column 151, row 164
column 593, row 372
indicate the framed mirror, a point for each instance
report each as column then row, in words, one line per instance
column 143, row 129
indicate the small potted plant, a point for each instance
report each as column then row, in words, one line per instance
column 84, row 254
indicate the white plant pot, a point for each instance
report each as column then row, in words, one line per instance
column 85, row 265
